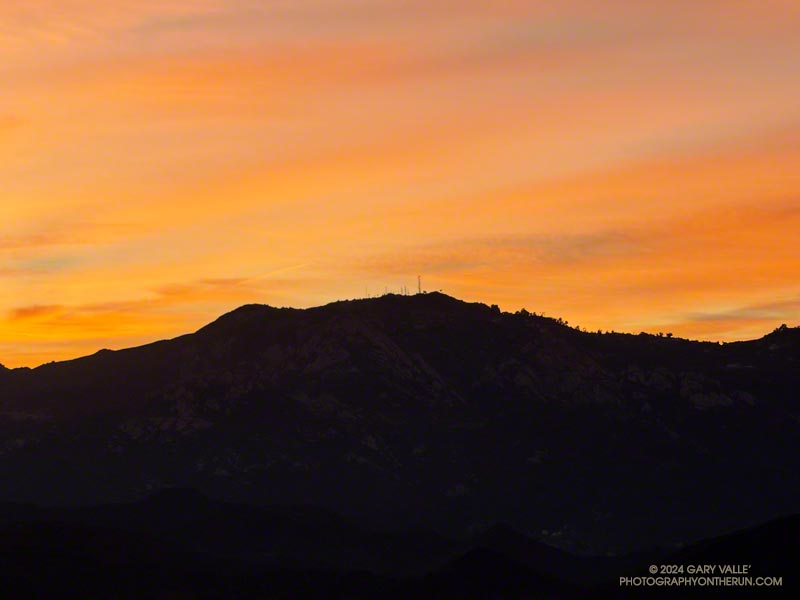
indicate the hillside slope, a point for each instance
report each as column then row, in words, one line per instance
column 424, row 411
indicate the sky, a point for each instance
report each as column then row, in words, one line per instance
column 626, row 165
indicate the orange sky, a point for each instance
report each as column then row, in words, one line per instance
column 624, row 165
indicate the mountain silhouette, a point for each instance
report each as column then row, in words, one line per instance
column 423, row 413
column 178, row 543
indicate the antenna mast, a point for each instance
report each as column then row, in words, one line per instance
column 419, row 284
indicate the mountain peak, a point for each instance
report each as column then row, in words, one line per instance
column 427, row 299
column 385, row 306
column 781, row 338
column 242, row 315
column 784, row 331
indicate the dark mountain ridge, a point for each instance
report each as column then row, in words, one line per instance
column 427, row 412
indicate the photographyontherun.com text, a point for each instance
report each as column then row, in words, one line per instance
column 700, row 576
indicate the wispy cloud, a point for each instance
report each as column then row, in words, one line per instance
column 35, row 311
column 769, row 312
column 67, row 231
column 30, row 334
column 522, row 252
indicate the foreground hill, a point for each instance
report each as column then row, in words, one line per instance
column 424, row 412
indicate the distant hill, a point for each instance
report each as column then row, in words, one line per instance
column 424, row 412
column 179, row 544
